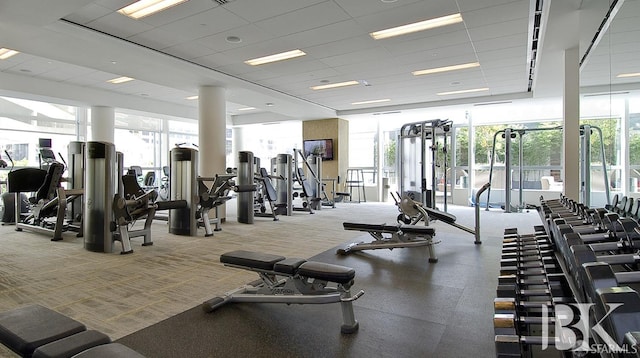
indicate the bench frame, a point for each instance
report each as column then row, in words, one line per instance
column 392, row 237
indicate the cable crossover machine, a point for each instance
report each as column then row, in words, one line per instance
column 585, row 163
column 422, row 151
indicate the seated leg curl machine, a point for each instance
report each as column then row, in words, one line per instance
column 137, row 204
column 290, row 281
column 50, row 201
column 211, row 198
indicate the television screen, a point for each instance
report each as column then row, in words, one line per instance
column 44, row 143
column 321, row 147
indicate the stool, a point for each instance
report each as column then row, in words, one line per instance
column 355, row 179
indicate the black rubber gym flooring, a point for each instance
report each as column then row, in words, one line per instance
column 411, row 308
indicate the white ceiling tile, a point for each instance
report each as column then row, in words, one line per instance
column 254, row 11
column 158, row 38
column 205, row 23
column 496, row 14
column 304, row 19
column 88, row 13
column 248, row 34
column 470, row 5
column 358, row 8
column 189, row 50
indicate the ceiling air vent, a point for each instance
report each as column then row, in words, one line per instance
column 222, row 2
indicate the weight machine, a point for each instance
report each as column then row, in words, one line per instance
column 585, row 158
column 414, row 143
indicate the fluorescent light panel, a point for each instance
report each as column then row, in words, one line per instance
column 142, row 8
column 273, row 58
column 335, row 85
column 446, row 68
column 246, row 109
column 120, row 80
column 372, row 101
column 5, row 53
column 417, row 26
column 624, row 75
column 463, row 91
column 191, row 97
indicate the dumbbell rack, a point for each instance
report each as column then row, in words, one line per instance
column 531, row 283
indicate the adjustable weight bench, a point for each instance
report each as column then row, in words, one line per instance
column 291, row 281
column 392, row 237
column 38, row 332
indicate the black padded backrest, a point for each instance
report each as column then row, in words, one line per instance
column 149, row 179
column 51, row 182
column 628, row 206
column 270, row 191
column 131, row 187
column 621, row 205
column 25, row 180
column 135, row 169
column 165, row 171
column 634, row 209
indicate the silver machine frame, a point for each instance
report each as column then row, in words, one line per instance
column 425, row 131
column 585, row 159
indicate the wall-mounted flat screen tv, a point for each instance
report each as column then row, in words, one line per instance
column 321, row 147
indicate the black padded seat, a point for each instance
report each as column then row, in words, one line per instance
column 370, row 227
column 256, row 260
column 288, row 266
column 422, row 230
column 111, row 350
column 441, row 215
column 74, row 344
column 27, row 328
column 327, row 272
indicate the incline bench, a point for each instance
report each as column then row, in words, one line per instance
column 291, row 281
column 398, row 236
column 38, row 332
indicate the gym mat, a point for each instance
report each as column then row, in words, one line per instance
column 410, row 309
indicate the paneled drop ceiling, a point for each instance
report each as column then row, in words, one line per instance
column 70, row 48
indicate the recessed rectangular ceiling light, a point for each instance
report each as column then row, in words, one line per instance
column 417, row 26
column 335, row 85
column 5, row 53
column 463, row 91
column 120, row 80
column 191, row 97
column 246, row 109
column 372, row 101
column 273, row 58
column 142, row 8
column 622, row 75
column 446, row 68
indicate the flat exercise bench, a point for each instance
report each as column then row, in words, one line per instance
column 38, row 332
column 392, row 237
column 291, row 280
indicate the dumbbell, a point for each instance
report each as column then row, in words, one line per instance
column 599, row 275
column 584, row 254
column 625, row 318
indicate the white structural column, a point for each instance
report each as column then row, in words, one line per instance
column 102, row 124
column 571, row 126
column 238, row 145
column 212, row 124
